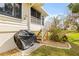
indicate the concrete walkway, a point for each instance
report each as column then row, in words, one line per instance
column 17, row 52
column 30, row 50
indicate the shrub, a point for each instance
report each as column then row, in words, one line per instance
column 64, row 38
column 58, row 37
column 56, row 31
column 54, row 37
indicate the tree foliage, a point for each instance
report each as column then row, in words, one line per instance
column 74, row 7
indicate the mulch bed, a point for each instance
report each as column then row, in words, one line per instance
column 63, row 45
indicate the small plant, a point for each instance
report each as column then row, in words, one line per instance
column 64, row 38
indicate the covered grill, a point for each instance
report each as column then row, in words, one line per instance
column 24, row 39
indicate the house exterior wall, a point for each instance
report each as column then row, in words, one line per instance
column 10, row 25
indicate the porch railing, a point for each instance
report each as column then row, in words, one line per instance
column 35, row 20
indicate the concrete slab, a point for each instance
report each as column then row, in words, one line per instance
column 17, row 52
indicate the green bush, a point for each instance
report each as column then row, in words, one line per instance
column 56, row 31
column 64, row 38
column 58, row 37
column 54, row 37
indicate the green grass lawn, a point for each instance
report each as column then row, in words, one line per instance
column 73, row 37
column 50, row 51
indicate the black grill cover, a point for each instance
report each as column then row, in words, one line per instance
column 24, row 39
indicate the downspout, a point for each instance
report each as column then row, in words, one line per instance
column 42, row 28
column 29, row 16
column 28, row 22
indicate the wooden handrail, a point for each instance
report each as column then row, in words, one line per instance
column 39, row 33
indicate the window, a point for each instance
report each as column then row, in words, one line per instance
column 17, row 10
column 11, row 9
column 35, row 13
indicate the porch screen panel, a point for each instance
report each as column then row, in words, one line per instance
column 35, row 13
